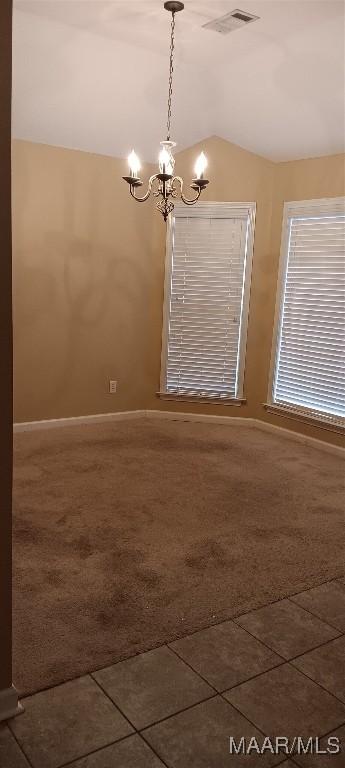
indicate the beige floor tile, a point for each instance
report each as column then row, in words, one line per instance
column 11, row 755
column 283, row 702
column 152, row 686
column 225, row 655
column 200, row 738
column 326, row 665
column 287, row 628
column 326, row 601
column 130, row 753
column 66, row 722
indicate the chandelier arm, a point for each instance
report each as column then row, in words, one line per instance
column 147, row 194
column 190, row 202
column 183, row 198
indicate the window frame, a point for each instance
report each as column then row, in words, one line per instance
column 238, row 209
column 323, row 207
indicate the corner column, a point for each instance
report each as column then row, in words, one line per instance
column 9, row 705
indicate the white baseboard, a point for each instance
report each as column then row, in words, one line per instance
column 248, row 422
column 10, row 705
column 306, row 439
column 181, row 416
column 71, row 421
column 30, row 426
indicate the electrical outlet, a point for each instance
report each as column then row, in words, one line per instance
column 112, row 387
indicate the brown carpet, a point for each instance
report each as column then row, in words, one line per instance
column 134, row 533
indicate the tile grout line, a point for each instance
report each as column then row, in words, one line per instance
column 190, row 634
column 253, row 677
column 316, row 648
column 327, row 581
column 245, row 717
column 329, row 733
column 117, row 741
column 320, row 736
column 287, row 757
column 299, row 655
column 216, row 692
column 99, row 749
column 284, row 660
column 162, row 760
column 141, row 733
column 179, row 712
column 252, row 610
column 332, row 626
column 216, row 695
column 19, row 745
column 95, row 751
column 247, row 680
column 113, row 702
column 167, row 717
column 330, row 693
column 136, row 731
column 288, row 661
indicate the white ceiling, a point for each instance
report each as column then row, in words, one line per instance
column 92, row 75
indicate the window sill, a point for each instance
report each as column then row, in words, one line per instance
column 306, row 418
column 202, row 399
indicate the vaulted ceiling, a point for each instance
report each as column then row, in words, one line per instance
column 92, row 75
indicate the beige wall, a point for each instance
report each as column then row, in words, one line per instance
column 89, row 274
column 82, row 275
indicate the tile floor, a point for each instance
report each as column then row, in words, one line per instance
column 276, row 671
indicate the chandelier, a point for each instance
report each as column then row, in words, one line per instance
column 164, row 185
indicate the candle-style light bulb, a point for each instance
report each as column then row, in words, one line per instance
column 200, row 166
column 165, row 162
column 134, row 164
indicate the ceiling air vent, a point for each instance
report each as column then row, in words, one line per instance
column 230, row 21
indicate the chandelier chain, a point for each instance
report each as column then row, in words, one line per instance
column 171, row 72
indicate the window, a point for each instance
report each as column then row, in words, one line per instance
column 307, row 374
column 209, row 254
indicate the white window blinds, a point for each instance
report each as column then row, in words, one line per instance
column 206, row 300
column 309, row 368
